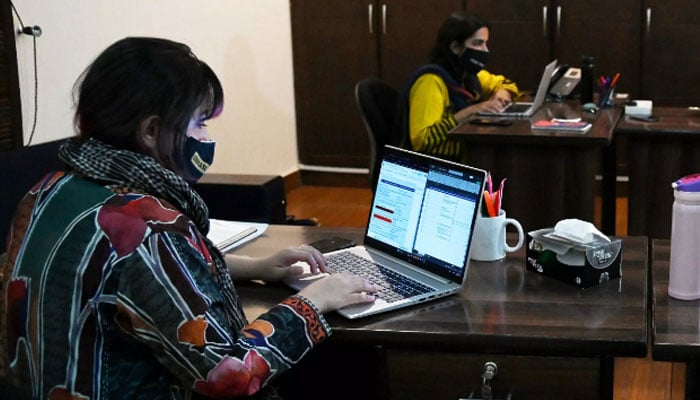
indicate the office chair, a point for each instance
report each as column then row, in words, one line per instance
column 20, row 169
column 377, row 103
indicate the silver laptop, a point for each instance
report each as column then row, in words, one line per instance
column 417, row 241
column 525, row 109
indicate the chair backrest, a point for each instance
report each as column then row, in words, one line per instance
column 377, row 102
column 19, row 170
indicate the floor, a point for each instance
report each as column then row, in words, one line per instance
column 635, row 378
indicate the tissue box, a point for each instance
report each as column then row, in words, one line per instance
column 639, row 107
column 601, row 263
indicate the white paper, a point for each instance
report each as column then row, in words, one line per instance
column 579, row 232
column 227, row 235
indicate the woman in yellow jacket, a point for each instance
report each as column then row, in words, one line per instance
column 452, row 88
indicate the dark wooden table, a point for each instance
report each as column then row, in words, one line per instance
column 675, row 323
column 658, row 153
column 549, row 339
column 551, row 175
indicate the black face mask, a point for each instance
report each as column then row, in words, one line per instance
column 474, row 60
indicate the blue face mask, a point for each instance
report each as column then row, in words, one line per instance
column 198, row 156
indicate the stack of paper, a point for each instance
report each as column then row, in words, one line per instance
column 561, row 125
column 227, row 235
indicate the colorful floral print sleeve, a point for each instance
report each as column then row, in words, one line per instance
column 115, row 297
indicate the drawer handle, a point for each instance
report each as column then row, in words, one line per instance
column 558, row 21
column 384, row 19
column 648, row 21
column 544, row 21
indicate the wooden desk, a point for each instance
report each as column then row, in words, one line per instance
column 551, row 175
column 675, row 323
column 549, row 339
column 658, row 153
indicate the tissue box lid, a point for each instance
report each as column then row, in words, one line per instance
column 603, row 256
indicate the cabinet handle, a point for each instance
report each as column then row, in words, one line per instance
column 369, row 14
column 558, row 21
column 648, row 21
column 384, row 19
column 544, row 21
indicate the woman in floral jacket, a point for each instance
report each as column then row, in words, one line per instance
column 111, row 289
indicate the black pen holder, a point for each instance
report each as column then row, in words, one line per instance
column 606, row 97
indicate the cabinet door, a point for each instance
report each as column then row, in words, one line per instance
column 526, row 34
column 333, row 48
column 607, row 30
column 519, row 38
column 406, row 32
column 671, row 52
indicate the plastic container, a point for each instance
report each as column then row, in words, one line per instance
column 684, row 270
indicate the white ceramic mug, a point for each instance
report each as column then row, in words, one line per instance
column 489, row 242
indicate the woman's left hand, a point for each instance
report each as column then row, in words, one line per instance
column 278, row 266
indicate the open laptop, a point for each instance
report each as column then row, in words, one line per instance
column 420, row 229
column 525, row 109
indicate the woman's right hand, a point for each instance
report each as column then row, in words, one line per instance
column 339, row 290
column 492, row 105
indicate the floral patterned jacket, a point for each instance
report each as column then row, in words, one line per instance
column 110, row 295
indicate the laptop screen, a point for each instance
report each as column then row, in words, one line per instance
column 424, row 211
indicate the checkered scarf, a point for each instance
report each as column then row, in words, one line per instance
column 122, row 168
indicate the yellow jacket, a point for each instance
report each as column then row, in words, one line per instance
column 431, row 115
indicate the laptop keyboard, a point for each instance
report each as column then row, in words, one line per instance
column 392, row 285
column 517, row 107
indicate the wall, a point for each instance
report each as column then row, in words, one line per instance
column 246, row 42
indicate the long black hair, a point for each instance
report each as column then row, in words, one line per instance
column 458, row 27
column 139, row 77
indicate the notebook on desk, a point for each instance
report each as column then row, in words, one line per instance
column 417, row 240
column 525, row 109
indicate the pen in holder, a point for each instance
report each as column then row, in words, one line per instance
column 606, row 90
column 606, row 97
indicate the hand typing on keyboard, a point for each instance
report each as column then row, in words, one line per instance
column 339, row 290
column 391, row 285
column 503, row 97
column 327, row 294
column 492, row 105
column 278, row 266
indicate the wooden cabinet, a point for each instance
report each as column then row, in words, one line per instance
column 415, row 374
column 671, row 38
column 526, row 34
column 411, row 28
column 519, row 38
column 337, row 43
column 10, row 102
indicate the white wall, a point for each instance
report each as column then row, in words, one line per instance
column 246, row 42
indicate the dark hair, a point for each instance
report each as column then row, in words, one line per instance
column 457, row 27
column 139, row 77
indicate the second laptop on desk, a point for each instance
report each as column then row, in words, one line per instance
column 526, row 109
column 417, row 241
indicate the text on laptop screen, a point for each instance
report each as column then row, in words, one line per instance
column 425, row 212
